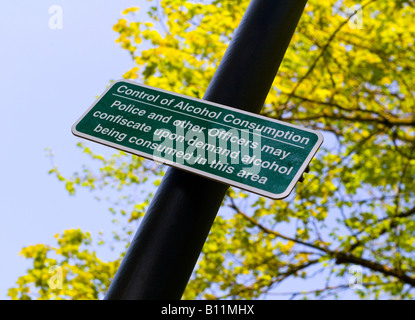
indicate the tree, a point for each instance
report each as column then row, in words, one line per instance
column 352, row 219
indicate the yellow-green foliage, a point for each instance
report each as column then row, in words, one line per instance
column 355, row 207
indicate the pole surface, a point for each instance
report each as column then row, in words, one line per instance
column 168, row 242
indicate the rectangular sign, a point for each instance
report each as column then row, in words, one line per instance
column 238, row 148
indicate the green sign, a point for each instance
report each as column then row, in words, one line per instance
column 238, row 148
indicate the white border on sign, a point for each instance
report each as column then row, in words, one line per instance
column 275, row 196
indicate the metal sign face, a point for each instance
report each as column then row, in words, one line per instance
column 238, row 148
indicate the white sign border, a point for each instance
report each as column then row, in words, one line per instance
column 274, row 196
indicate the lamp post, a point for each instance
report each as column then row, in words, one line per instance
column 168, row 242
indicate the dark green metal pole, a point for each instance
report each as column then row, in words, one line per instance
column 164, row 251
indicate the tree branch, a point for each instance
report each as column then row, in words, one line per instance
column 341, row 257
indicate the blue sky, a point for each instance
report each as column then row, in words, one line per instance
column 48, row 79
